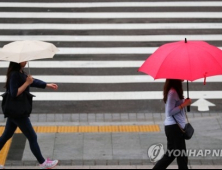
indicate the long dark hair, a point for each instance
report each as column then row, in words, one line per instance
column 12, row 68
column 175, row 84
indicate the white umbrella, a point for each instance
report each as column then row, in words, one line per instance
column 21, row 51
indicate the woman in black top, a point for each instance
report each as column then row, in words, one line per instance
column 17, row 83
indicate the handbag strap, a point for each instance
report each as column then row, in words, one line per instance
column 178, row 122
column 186, row 116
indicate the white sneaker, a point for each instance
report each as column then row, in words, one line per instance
column 48, row 164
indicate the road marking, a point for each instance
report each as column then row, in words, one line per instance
column 101, row 96
column 203, row 105
column 109, row 15
column 110, row 26
column 117, row 50
column 80, row 64
column 47, row 129
column 105, row 51
column 96, row 129
column 109, row 79
column 111, row 4
column 79, row 129
column 4, row 152
column 139, row 38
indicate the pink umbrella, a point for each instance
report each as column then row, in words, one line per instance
column 189, row 60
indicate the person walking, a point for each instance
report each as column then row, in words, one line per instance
column 175, row 106
column 17, row 83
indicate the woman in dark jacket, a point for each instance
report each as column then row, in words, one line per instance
column 17, row 83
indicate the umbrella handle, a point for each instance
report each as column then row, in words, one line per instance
column 205, row 78
column 188, row 108
column 188, row 96
column 29, row 69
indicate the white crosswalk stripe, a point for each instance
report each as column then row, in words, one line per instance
column 149, row 26
column 91, row 96
column 85, row 50
column 102, row 45
column 79, row 51
column 106, row 15
column 109, row 79
column 113, row 38
column 81, row 64
column 112, row 4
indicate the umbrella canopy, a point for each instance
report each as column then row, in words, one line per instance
column 189, row 60
column 185, row 61
column 21, row 51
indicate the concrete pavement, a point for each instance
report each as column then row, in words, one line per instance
column 116, row 167
column 121, row 150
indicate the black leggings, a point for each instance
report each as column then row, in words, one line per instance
column 26, row 127
column 175, row 141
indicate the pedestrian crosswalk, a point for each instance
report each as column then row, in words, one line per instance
column 102, row 44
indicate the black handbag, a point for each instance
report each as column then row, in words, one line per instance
column 188, row 131
column 17, row 107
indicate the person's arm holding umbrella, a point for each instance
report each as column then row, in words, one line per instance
column 15, row 88
column 186, row 103
column 172, row 109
